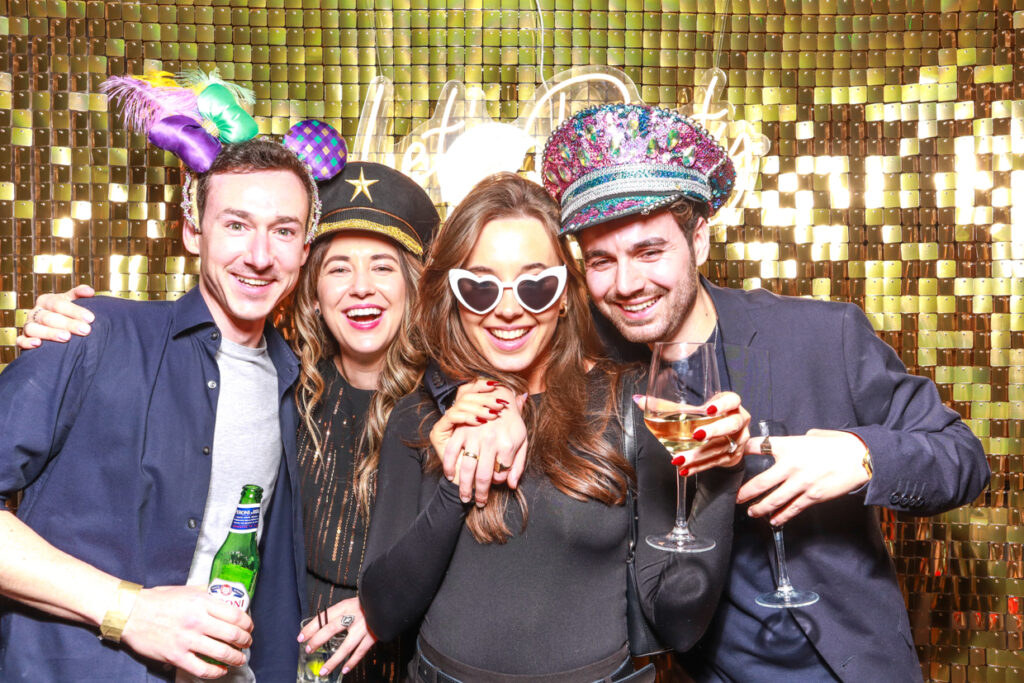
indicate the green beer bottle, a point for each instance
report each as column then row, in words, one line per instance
column 236, row 564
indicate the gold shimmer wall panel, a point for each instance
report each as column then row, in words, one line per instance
column 896, row 155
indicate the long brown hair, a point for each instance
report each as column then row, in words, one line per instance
column 566, row 443
column 402, row 371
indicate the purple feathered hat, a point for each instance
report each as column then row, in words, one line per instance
column 617, row 160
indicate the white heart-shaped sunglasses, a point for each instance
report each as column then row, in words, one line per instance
column 481, row 293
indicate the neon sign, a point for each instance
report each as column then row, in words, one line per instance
column 461, row 144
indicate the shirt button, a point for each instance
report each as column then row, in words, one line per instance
column 212, row 384
column 192, row 523
column 206, row 450
column 215, row 336
column 894, row 498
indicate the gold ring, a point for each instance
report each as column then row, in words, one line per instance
column 470, row 454
column 766, row 446
column 500, row 467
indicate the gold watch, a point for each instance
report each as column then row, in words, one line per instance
column 117, row 616
column 867, row 463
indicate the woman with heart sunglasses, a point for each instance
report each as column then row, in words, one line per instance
column 531, row 585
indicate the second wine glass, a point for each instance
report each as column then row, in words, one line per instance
column 784, row 596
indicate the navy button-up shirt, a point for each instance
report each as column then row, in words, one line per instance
column 108, row 436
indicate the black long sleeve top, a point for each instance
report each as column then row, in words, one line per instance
column 335, row 528
column 553, row 598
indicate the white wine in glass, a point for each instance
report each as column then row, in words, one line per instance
column 683, row 379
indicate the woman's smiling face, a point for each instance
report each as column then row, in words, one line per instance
column 362, row 295
column 511, row 338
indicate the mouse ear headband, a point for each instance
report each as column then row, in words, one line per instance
column 192, row 115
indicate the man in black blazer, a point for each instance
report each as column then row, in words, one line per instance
column 637, row 185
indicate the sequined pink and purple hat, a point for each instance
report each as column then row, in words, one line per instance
column 616, row 160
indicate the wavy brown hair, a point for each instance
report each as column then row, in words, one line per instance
column 567, row 443
column 313, row 342
column 686, row 213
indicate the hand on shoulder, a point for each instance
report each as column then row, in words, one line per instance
column 56, row 318
column 481, row 439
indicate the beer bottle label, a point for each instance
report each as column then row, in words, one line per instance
column 231, row 593
column 231, row 586
column 247, row 518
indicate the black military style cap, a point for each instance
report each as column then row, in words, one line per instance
column 371, row 197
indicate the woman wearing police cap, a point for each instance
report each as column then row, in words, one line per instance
column 353, row 300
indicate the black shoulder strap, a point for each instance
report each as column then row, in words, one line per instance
column 643, row 641
column 628, row 416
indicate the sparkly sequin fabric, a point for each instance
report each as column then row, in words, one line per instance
column 621, row 159
column 335, row 529
column 320, row 146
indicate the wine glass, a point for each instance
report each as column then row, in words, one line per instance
column 683, row 379
column 784, row 596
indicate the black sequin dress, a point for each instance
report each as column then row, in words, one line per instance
column 335, row 528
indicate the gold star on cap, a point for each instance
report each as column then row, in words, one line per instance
column 362, row 186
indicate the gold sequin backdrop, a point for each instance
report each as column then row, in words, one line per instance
column 896, row 153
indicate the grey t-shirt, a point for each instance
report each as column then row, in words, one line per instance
column 247, row 449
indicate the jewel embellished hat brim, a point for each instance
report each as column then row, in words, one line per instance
column 612, row 192
column 612, row 208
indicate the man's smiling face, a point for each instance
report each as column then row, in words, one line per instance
column 642, row 273
column 252, row 246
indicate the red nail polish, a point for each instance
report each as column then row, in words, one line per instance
column 700, row 435
column 481, row 420
column 492, row 383
column 494, row 412
column 501, row 401
column 712, row 410
column 679, row 460
column 684, row 472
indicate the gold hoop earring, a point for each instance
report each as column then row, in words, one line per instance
column 563, row 310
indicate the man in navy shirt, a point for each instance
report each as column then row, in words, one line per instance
column 110, row 438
